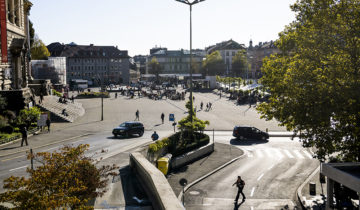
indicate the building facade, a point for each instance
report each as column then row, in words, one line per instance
column 227, row 50
column 177, row 61
column 54, row 69
column 97, row 64
column 257, row 53
column 15, row 52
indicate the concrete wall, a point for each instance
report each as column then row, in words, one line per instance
column 191, row 156
column 155, row 183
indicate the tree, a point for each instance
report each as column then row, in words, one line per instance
column 28, row 116
column 155, row 67
column 192, row 125
column 315, row 79
column 39, row 50
column 240, row 64
column 214, row 64
column 32, row 33
column 64, row 179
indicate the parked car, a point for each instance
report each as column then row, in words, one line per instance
column 248, row 132
column 129, row 128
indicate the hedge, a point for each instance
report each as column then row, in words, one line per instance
column 93, row 95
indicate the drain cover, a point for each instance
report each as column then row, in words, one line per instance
column 194, row 193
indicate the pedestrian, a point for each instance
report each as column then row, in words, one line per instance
column 207, row 107
column 162, row 117
column 220, row 94
column 195, row 109
column 137, row 115
column 41, row 98
column 48, row 123
column 201, row 105
column 210, row 105
column 24, row 135
column 240, row 185
column 72, row 98
column 115, row 95
column 154, row 136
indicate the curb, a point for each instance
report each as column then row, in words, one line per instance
column 209, row 174
column 299, row 194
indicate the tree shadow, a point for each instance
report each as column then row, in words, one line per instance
column 157, row 125
column 9, row 148
column 247, row 142
column 121, row 137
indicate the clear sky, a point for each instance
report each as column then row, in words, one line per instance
column 139, row 25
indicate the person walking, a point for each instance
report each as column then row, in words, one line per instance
column 48, row 123
column 137, row 115
column 201, row 105
column 115, row 95
column 24, row 135
column 162, row 117
column 240, row 185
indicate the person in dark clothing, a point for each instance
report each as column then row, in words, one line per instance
column 240, row 185
column 137, row 115
column 24, row 135
column 162, row 118
column 48, row 123
column 154, row 136
column 201, row 105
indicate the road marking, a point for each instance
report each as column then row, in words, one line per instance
column 298, row 154
column 278, row 153
column 260, row 177
column 259, row 153
column 268, row 152
column 252, row 208
column 271, row 167
column 288, row 153
column 249, row 154
column 51, row 148
column 13, row 158
column 18, row 168
column 308, row 154
column 252, row 192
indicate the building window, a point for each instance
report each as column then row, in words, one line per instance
column 233, row 53
column 227, row 53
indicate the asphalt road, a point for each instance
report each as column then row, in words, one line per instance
column 272, row 171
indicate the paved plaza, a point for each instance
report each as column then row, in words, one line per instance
column 224, row 115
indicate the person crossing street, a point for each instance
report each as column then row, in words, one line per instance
column 240, row 185
column 162, row 117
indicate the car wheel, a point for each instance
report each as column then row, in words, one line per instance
column 115, row 135
column 263, row 138
column 127, row 135
column 141, row 133
column 241, row 138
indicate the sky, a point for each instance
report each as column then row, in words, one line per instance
column 139, row 25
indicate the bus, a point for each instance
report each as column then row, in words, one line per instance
column 78, row 84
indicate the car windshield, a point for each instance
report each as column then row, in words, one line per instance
column 124, row 125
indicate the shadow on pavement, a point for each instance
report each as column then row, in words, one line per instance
column 237, row 205
column 9, row 148
column 134, row 193
column 247, row 142
column 122, row 137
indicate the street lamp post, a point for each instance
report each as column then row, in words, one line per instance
column 191, row 85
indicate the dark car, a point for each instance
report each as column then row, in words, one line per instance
column 247, row 132
column 128, row 129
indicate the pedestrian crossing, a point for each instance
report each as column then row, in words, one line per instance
column 277, row 153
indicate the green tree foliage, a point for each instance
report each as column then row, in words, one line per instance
column 28, row 116
column 192, row 125
column 213, row 64
column 240, row 64
column 3, row 104
column 38, row 50
column 65, row 179
column 155, row 67
column 32, row 33
column 315, row 80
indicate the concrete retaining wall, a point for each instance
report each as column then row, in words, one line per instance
column 191, row 156
column 155, row 184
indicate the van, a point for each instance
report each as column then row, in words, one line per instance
column 248, row 132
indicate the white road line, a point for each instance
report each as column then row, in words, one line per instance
column 298, row 154
column 308, row 154
column 268, row 152
column 270, row 167
column 18, row 168
column 51, row 148
column 278, row 153
column 251, row 208
column 260, row 177
column 252, row 192
column 78, row 140
column 288, row 153
column 259, row 153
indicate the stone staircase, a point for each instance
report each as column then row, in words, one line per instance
column 51, row 104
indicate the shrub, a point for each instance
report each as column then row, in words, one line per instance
column 28, row 116
column 3, row 121
column 93, row 95
column 56, row 93
column 7, row 129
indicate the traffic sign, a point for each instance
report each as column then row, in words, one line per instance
column 171, row 117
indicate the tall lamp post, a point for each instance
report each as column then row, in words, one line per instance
column 191, row 83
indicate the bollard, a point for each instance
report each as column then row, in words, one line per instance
column 267, row 130
column 312, row 188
